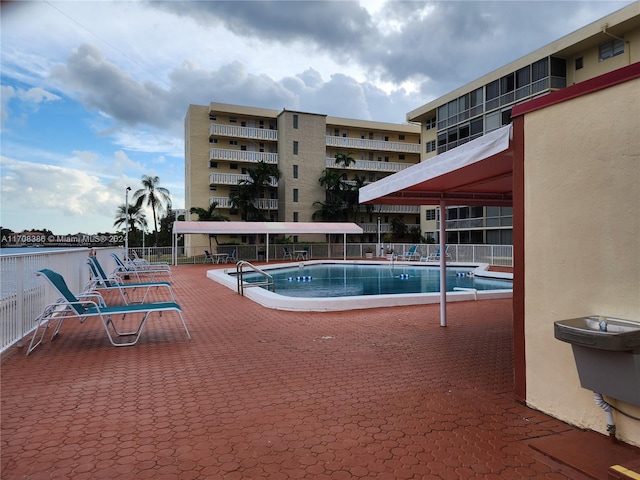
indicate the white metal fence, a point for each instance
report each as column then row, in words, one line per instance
column 23, row 295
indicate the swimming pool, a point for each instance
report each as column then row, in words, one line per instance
column 345, row 285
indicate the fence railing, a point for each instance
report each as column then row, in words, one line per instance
column 23, row 295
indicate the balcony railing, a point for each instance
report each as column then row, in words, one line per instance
column 242, row 156
column 384, row 227
column 400, row 209
column 261, row 203
column 377, row 145
column 369, row 165
column 243, row 132
column 233, row 179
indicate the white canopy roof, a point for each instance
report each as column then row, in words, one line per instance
column 269, row 228
column 479, row 172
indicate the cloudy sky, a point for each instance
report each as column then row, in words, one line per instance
column 94, row 93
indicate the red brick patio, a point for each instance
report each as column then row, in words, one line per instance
column 258, row 393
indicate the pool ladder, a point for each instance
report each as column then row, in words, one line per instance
column 267, row 282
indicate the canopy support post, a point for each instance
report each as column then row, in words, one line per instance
column 443, row 264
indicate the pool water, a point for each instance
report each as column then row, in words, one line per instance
column 344, row 280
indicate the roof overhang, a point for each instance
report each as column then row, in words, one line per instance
column 269, row 228
column 479, row 172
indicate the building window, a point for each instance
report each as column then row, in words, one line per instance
column 261, row 124
column 295, row 171
column 430, row 214
column 212, row 116
column 295, row 219
column 233, row 120
column 295, row 195
column 401, row 156
column 336, row 132
column 233, row 142
column 429, row 124
column 400, row 137
column 295, row 121
column 243, row 148
column 233, row 166
column 213, row 140
column 213, row 164
column 261, row 147
column 213, row 188
column 611, row 49
column 295, row 147
column 431, row 146
column 243, row 124
column 579, row 63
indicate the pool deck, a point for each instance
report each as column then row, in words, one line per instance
column 381, row 393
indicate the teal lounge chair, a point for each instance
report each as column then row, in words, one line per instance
column 101, row 281
column 410, row 254
column 434, row 257
column 138, row 270
column 91, row 305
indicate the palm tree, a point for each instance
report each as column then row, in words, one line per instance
column 208, row 215
column 345, row 159
column 245, row 196
column 153, row 196
column 137, row 218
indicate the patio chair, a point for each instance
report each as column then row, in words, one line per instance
column 91, row 305
column 208, row 257
column 137, row 270
column 436, row 256
column 102, row 281
column 409, row 254
column 286, row 253
column 136, row 260
column 231, row 256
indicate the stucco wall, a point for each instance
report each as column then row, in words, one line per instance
column 582, row 240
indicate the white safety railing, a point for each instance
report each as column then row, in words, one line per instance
column 23, row 295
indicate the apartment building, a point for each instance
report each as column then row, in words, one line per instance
column 223, row 142
column 485, row 104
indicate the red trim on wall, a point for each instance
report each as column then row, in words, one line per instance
column 588, row 86
column 519, row 351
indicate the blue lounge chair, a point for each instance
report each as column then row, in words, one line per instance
column 90, row 305
column 101, row 281
column 137, row 270
column 411, row 254
column 231, row 256
column 435, row 257
column 286, row 253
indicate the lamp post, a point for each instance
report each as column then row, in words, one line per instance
column 379, row 246
column 126, row 222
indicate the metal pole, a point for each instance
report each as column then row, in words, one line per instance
column 126, row 222
column 379, row 247
column 443, row 266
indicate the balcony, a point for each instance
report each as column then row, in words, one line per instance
column 384, row 227
column 377, row 145
column 242, row 156
column 398, row 209
column 243, row 132
column 261, row 203
column 369, row 165
column 233, row 179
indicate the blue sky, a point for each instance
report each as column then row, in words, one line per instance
column 94, row 93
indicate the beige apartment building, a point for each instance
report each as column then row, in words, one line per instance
column 485, row 105
column 223, row 142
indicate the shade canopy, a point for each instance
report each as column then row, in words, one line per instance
column 479, row 172
column 269, row 228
